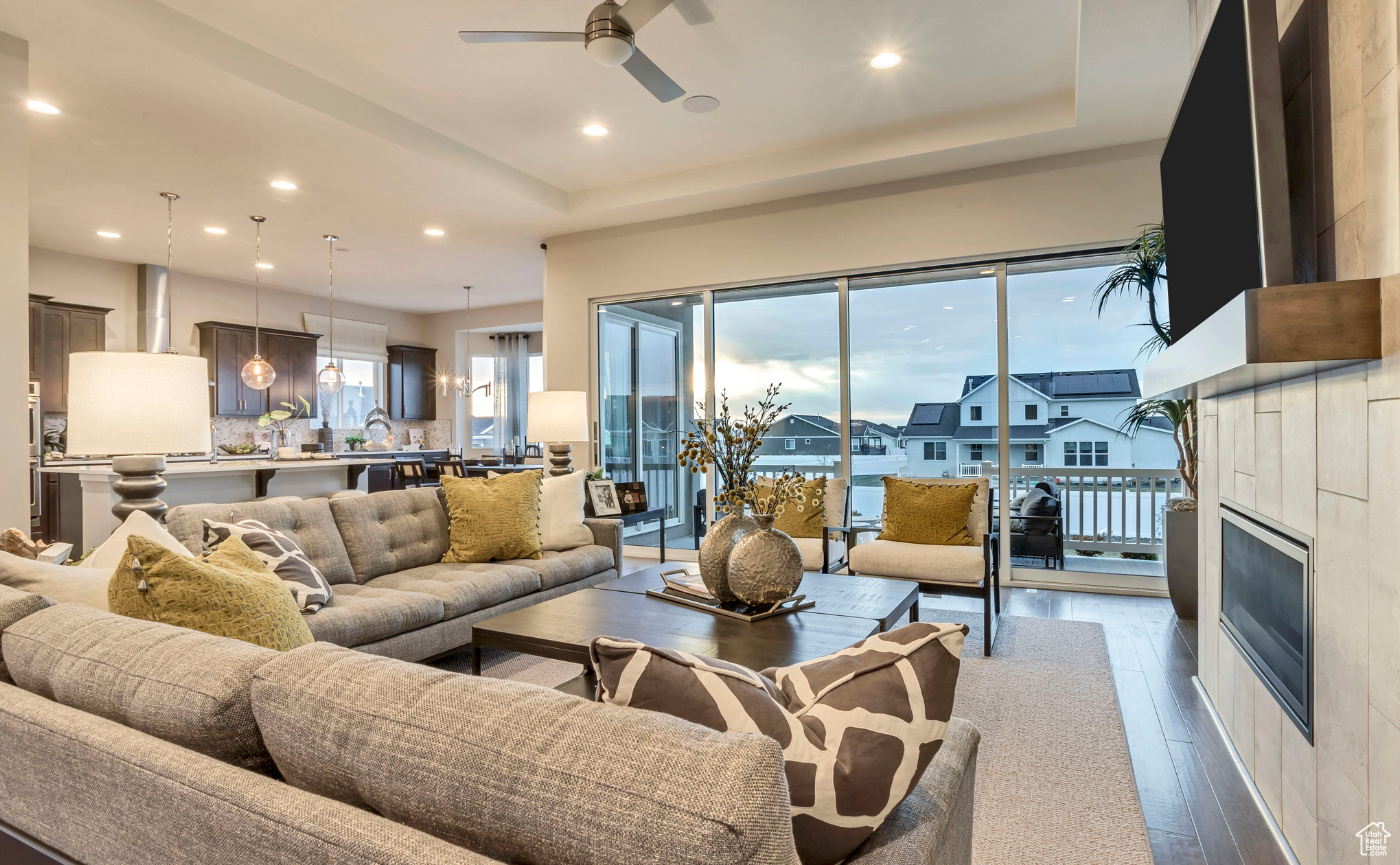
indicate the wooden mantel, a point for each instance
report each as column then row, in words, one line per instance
column 1271, row 334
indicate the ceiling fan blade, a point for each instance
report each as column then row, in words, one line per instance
column 638, row 12
column 518, row 36
column 650, row 76
column 694, row 11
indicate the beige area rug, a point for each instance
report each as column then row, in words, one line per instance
column 1054, row 781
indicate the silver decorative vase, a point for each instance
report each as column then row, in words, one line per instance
column 765, row 565
column 715, row 549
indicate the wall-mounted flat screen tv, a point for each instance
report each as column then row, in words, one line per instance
column 1224, row 172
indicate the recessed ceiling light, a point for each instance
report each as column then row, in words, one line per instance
column 111, row 234
column 1069, row 299
column 283, row 184
column 42, row 107
column 434, row 232
column 700, row 104
column 212, row 230
column 264, row 265
column 885, row 61
column 595, row 130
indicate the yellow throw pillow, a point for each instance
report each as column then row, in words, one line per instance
column 493, row 519
column 918, row 513
column 228, row 593
column 804, row 519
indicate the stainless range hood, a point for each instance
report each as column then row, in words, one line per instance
column 1271, row 334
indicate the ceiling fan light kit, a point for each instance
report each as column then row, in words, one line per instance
column 610, row 38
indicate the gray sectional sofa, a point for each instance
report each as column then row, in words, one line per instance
column 393, row 594
column 126, row 742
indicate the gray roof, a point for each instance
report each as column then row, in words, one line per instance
column 932, row 420
column 1074, row 384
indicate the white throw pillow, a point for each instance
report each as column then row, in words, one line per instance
column 62, row 584
column 109, row 555
column 561, row 513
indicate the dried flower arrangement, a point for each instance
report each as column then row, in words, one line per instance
column 730, row 444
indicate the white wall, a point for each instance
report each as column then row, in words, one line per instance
column 14, row 266
column 1085, row 198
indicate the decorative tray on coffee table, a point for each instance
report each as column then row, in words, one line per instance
column 686, row 588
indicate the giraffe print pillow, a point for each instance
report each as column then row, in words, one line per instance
column 282, row 555
column 857, row 727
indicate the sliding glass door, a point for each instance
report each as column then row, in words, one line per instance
column 1006, row 370
column 647, row 358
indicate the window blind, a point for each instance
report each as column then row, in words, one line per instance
column 354, row 340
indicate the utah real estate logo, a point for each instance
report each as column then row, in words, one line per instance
column 1373, row 837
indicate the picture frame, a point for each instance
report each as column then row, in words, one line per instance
column 632, row 496
column 602, row 495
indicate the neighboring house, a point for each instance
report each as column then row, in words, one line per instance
column 1058, row 420
column 802, row 435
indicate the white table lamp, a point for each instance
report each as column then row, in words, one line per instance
column 137, row 407
column 558, row 417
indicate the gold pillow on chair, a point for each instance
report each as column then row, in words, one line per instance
column 804, row 519
column 493, row 519
column 918, row 513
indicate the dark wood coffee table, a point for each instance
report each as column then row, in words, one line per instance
column 564, row 627
column 885, row 601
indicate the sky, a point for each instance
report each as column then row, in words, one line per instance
column 908, row 346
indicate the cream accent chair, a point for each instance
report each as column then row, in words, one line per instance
column 826, row 554
column 949, row 570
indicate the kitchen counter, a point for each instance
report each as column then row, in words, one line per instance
column 86, row 495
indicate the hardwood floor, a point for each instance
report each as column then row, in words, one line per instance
column 1197, row 807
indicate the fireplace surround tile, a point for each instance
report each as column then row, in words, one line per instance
column 1383, row 585
column 1268, row 748
column 1340, row 634
column 1341, row 811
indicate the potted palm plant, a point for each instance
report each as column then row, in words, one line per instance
column 1143, row 274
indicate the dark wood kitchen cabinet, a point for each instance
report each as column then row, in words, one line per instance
column 410, row 382
column 229, row 347
column 56, row 330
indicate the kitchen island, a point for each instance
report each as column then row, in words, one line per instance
column 85, row 495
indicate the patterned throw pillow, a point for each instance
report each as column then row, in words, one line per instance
column 493, row 519
column 918, row 513
column 282, row 555
column 228, row 593
column 804, row 519
column 857, row 727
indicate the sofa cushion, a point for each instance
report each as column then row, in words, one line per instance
column 175, row 684
column 567, row 566
column 391, row 531
column 519, row 772
column 926, row 563
column 282, row 555
column 363, row 614
column 15, row 605
column 857, row 727
column 463, row 588
column 309, row 523
column 227, row 593
column 493, row 518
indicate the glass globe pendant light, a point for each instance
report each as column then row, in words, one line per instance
column 331, row 380
column 258, row 374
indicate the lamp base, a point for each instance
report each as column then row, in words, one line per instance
column 560, row 457
column 140, row 486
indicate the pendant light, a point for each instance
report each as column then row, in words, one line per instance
column 170, row 199
column 258, row 374
column 331, row 380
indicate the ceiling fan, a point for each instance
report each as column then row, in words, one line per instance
column 609, row 36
